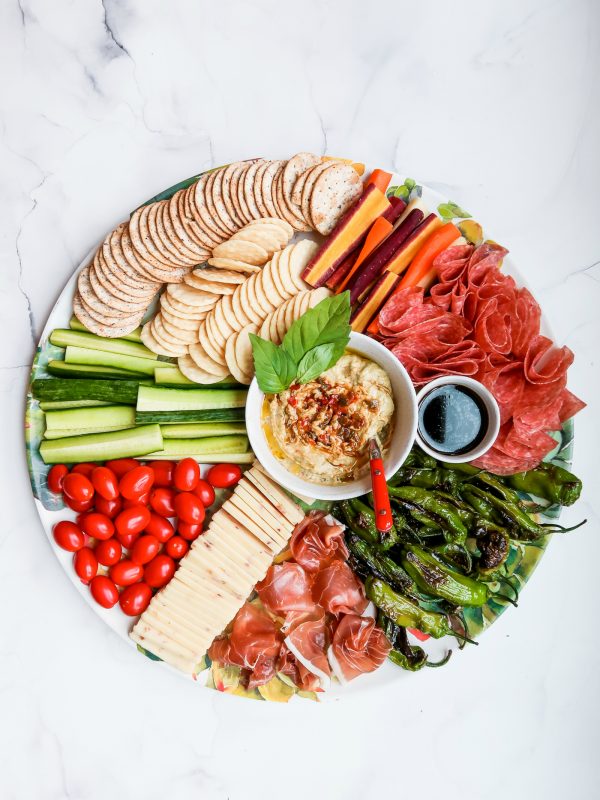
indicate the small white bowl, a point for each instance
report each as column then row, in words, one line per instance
column 492, row 409
column 403, row 436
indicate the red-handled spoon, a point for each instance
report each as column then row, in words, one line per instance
column 381, row 497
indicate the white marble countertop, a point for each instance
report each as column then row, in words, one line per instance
column 104, row 103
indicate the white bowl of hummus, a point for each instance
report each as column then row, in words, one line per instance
column 312, row 438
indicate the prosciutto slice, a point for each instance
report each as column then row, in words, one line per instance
column 317, row 541
column 358, row 646
column 337, row 589
column 253, row 644
column 286, row 587
column 309, row 641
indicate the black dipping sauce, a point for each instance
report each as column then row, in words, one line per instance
column 452, row 419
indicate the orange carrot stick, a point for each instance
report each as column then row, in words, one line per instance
column 379, row 231
column 421, row 271
column 380, row 178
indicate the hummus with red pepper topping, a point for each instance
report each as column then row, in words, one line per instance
column 321, row 428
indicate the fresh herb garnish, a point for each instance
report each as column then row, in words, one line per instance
column 312, row 345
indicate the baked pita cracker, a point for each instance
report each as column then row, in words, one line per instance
column 334, row 191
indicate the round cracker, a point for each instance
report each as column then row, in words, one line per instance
column 118, row 286
column 189, row 368
column 264, row 238
column 261, row 228
column 200, row 212
column 120, row 268
column 220, row 208
column 289, row 317
column 242, row 211
column 232, row 264
column 191, row 252
column 185, row 323
column 237, row 310
column 94, row 326
column 180, row 334
column 269, row 286
column 158, row 231
column 283, row 269
column 232, row 364
column 268, row 177
column 210, row 205
column 226, row 190
column 248, row 188
column 250, row 308
column 221, row 321
column 281, row 223
column 231, row 319
column 280, row 322
column 218, row 289
column 195, row 298
column 151, row 342
column 335, row 190
column 148, row 269
column 190, row 221
column 203, row 360
column 142, row 241
column 164, row 338
column 273, row 267
column 268, row 304
column 237, row 250
column 213, row 342
column 214, row 334
column 300, row 305
column 297, row 222
column 273, row 334
column 106, row 295
column 243, row 350
column 301, row 253
column 91, row 299
column 316, row 295
column 297, row 190
column 218, row 275
column 257, row 189
column 297, row 165
column 309, row 182
column 176, row 306
column 241, row 195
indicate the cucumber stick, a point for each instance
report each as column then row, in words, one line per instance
column 63, row 337
column 55, row 389
column 156, row 398
column 210, row 444
column 61, row 433
column 63, row 370
column 173, row 377
column 134, row 336
column 199, row 430
column 101, row 418
column 210, row 415
column 85, row 355
column 51, row 405
column 102, row 446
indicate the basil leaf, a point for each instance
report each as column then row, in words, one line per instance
column 274, row 369
column 328, row 321
column 319, row 359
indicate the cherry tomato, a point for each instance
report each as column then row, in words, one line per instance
column 141, row 500
column 189, row 532
column 105, row 483
column 159, row 571
column 77, row 487
column 136, row 482
column 163, row 501
column 108, row 552
column 77, row 506
column 127, row 539
column 186, row 475
column 222, row 476
column 144, row 549
column 68, row 536
column 85, row 468
column 176, row 547
column 160, row 528
column 163, row 472
column 85, row 564
column 104, row 591
column 98, row 526
column 134, row 600
column 122, row 465
column 110, row 508
column 56, row 476
column 132, row 520
column 126, row 573
column 189, row 508
column 205, row 492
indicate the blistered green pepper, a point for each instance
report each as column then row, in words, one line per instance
column 432, row 576
column 405, row 612
column 453, row 527
column 548, row 481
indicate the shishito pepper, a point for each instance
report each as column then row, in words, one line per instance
column 437, row 478
column 548, row 481
column 432, row 576
column 453, row 527
column 405, row 612
column 381, row 565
